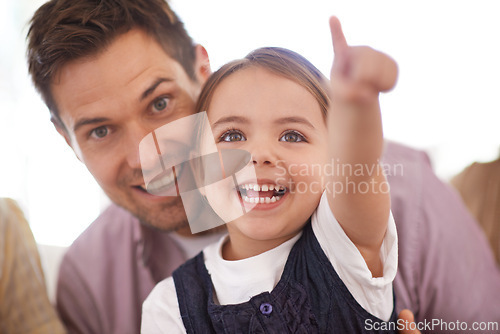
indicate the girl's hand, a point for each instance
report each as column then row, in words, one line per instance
column 359, row 72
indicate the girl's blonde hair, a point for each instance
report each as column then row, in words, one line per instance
column 280, row 61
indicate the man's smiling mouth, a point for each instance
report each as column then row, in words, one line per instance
column 164, row 184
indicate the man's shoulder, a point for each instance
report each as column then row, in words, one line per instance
column 102, row 279
column 395, row 152
column 114, row 226
column 413, row 184
column 405, row 169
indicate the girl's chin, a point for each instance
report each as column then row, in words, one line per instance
column 256, row 229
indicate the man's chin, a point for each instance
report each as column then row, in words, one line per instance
column 165, row 219
column 166, row 226
column 166, row 216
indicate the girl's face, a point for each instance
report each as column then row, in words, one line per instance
column 280, row 123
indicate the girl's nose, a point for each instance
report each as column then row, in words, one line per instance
column 263, row 155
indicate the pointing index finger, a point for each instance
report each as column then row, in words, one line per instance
column 338, row 39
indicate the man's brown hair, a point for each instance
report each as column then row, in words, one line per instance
column 64, row 30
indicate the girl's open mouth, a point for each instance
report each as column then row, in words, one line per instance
column 261, row 193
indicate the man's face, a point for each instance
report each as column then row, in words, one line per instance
column 109, row 102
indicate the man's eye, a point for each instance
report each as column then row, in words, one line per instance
column 231, row 136
column 160, row 104
column 292, row 137
column 100, row 132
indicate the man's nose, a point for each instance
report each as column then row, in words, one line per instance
column 140, row 147
column 161, row 148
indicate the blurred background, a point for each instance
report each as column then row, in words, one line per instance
column 447, row 100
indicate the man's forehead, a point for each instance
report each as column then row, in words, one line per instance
column 129, row 53
column 127, row 68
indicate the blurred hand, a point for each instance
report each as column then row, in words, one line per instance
column 407, row 319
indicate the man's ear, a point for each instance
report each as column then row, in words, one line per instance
column 61, row 129
column 64, row 133
column 202, row 64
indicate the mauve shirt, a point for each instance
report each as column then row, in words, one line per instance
column 446, row 268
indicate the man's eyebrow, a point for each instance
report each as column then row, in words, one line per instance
column 294, row 119
column 152, row 88
column 87, row 121
column 231, row 119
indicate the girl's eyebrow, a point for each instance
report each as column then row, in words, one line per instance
column 294, row 119
column 279, row 121
column 231, row 119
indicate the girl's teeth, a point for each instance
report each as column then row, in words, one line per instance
column 264, row 187
column 262, row 200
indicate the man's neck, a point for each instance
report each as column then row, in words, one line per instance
column 186, row 231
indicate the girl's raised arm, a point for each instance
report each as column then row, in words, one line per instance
column 359, row 194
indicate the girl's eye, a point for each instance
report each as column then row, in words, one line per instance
column 292, row 137
column 160, row 104
column 231, row 136
column 100, row 132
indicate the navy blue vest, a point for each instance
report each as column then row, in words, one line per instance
column 309, row 298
